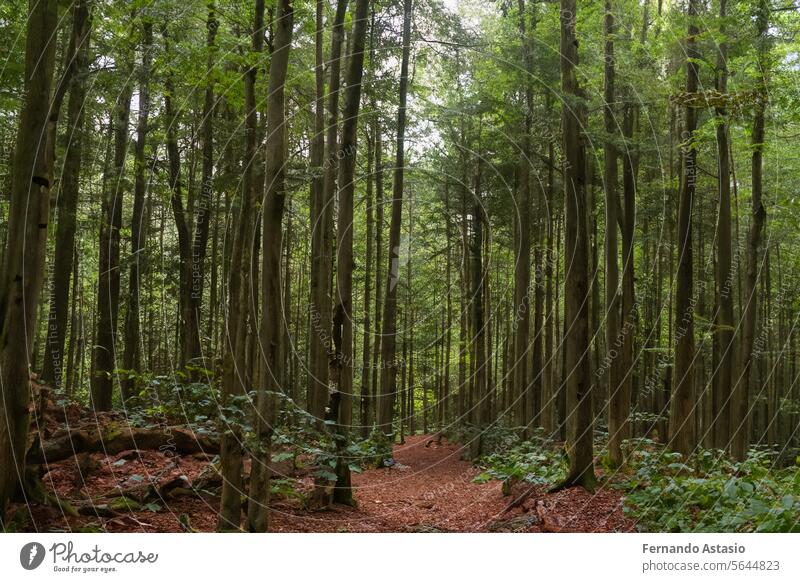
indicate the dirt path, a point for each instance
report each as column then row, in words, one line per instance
column 431, row 490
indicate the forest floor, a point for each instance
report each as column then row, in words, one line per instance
column 431, row 489
column 428, row 489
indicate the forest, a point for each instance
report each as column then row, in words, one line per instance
column 400, row 266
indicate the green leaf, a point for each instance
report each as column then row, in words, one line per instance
column 327, row 475
column 482, row 478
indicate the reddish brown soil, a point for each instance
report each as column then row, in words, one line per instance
column 428, row 490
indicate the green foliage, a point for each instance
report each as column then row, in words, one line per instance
column 534, row 461
column 664, row 492
column 174, row 398
column 709, row 492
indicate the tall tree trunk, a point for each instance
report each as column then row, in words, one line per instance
column 131, row 359
column 522, row 232
column 271, row 328
column 740, row 405
column 478, row 316
column 67, row 202
column 576, row 248
column 75, row 350
column 109, row 280
column 376, row 351
column 723, row 324
column 181, row 216
column 549, row 412
column 234, row 380
column 366, row 399
column 629, row 312
column 193, row 349
column 345, row 261
column 322, row 228
column 681, row 420
column 388, row 344
column 23, row 264
column 612, row 306
column 445, row 415
column 318, row 366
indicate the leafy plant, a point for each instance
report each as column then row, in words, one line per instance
column 709, row 492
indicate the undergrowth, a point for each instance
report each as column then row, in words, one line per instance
column 708, row 492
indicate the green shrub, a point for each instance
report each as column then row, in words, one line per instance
column 709, row 492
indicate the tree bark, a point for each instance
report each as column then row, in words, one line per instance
column 629, row 308
column 522, row 220
column 612, row 306
column 199, row 245
column 131, row 359
column 23, row 264
column 389, row 342
column 234, row 380
column 67, row 202
column 740, row 405
column 271, row 329
column 723, row 324
column 681, row 420
column 578, row 378
column 366, row 398
column 322, row 218
column 108, row 287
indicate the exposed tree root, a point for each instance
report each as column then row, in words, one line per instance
column 585, row 479
column 437, row 438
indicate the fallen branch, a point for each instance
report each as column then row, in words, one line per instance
column 169, row 440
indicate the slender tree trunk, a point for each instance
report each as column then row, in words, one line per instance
column 740, row 404
column 234, row 381
column 131, row 359
column 345, row 261
column 366, row 398
column 612, row 306
column 318, row 365
column 23, row 264
column 322, row 349
column 478, row 317
column 271, row 328
column 445, row 416
column 199, row 245
column 576, row 248
column 723, row 324
column 549, row 412
column 181, row 216
column 376, row 351
column 287, row 380
column 681, row 419
column 522, row 221
column 388, row 344
column 629, row 310
column 75, row 350
column 67, row 202
column 109, row 280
